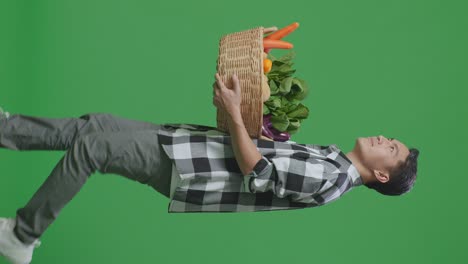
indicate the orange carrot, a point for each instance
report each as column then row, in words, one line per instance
column 276, row 44
column 279, row 34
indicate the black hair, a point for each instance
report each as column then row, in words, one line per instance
column 402, row 176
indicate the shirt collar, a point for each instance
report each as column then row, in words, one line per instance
column 356, row 178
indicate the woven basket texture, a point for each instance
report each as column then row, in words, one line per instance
column 242, row 53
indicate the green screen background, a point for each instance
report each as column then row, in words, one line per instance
column 395, row 68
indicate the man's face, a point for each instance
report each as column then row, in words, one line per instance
column 380, row 153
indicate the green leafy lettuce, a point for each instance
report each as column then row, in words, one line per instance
column 287, row 91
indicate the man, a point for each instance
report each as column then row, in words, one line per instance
column 198, row 167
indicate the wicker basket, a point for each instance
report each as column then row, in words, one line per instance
column 242, row 53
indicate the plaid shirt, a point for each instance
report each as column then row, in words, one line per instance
column 289, row 175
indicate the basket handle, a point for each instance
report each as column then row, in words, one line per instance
column 269, row 30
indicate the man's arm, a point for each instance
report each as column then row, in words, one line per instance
column 245, row 150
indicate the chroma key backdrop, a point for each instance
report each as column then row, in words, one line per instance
column 391, row 68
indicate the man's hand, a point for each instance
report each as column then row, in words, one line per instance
column 227, row 99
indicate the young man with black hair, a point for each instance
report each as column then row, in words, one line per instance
column 200, row 168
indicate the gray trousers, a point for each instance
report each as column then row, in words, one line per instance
column 93, row 142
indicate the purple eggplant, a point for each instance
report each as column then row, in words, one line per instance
column 269, row 131
column 267, row 119
column 266, row 127
column 266, row 132
column 280, row 136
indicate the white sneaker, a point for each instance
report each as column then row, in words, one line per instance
column 11, row 247
column 4, row 114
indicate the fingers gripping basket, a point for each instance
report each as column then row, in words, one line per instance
column 242, row 53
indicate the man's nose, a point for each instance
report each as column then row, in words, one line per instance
column 380, row 139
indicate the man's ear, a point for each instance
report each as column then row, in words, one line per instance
column 381, row 176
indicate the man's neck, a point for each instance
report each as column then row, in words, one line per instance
column 360, row 168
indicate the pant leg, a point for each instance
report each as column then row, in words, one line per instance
column 23, row 132
column 136, row 155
